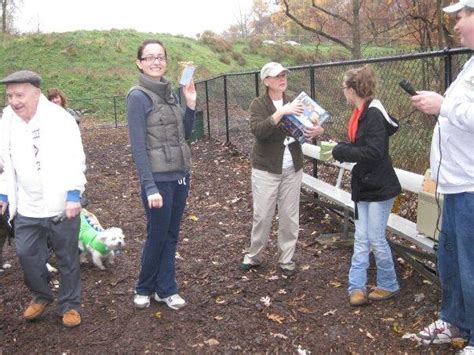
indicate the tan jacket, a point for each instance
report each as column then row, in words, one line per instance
column 268, row 148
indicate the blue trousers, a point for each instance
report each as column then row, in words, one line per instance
column 456, row 261
column 370, row 235
column 158, row 259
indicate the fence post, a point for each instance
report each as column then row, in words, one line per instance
column 312, row 83
column 448, row 70
column 226, row 111
column 115, row 111
column 257, row 91
column 207, row 112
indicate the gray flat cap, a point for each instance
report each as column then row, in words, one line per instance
column 23, row 76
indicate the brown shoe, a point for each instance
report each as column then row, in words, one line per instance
column 71, row 318
column 358, row 298
column 34, row 310
column 381, row 295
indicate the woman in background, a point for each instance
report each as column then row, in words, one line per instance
column 58, row 97
column 277, row 170
column 374, row 185
column 158, row 130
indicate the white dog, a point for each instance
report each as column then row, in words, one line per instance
column 101, row 244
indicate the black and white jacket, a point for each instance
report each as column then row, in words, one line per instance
column 373, row 177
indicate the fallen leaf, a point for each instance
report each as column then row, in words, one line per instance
column 220, row 300
column 335, row 284
column 212, row 342
column 193, row 218
column 276, row 318
column 305, row 310
column 218, row 318
column 331, row 312
column 419, row 297
column 266, row 301
column 397, row 328
column 305, row 267
column 157, row 315
column 278, row 335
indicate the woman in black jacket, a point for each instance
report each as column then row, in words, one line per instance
column 374, row 185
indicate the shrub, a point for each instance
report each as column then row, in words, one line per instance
column 224, row 59
column 239, row 58
column 215, row 42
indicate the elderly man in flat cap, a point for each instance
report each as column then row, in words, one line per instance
column 452, row 166
column 42, row 181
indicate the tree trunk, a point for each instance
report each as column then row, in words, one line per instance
column 4, row 16
column 356, row 53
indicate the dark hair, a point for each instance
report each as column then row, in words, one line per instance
column 52, row 93
column 146, row 43
column 362, row 80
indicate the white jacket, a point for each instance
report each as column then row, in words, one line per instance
column 62, row 158
column 456, row 123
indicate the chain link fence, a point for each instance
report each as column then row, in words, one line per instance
column 225, row 100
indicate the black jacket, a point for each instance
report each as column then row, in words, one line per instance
column 373, row 177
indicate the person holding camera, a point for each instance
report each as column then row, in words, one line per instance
column 452, row 168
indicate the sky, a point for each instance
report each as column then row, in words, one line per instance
column 185, row 17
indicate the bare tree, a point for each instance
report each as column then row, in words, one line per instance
column 243, row 23
column 324, row 20
column 9, row 10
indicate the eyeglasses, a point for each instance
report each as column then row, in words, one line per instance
column 151, row 59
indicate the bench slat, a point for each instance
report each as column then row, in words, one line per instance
column 329, row 191
column 407, row 229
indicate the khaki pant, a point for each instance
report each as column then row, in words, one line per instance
column 269, row 191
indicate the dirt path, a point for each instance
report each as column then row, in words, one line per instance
column 227, row 311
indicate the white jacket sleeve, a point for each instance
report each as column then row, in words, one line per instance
column 459, row 112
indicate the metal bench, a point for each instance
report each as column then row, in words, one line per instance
column 422, row 259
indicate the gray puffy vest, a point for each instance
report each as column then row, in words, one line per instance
column 166, row 146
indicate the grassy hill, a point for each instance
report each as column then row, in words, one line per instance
column 93, row 64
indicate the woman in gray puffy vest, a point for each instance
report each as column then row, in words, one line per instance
column 158, row 130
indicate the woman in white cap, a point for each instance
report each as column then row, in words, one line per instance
column 277, row 170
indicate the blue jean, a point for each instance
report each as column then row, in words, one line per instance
column 456, row 261
column 370, row 235
column 158, row 259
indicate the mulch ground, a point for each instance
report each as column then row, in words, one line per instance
column 228, row 310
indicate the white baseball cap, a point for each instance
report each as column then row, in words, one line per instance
column 272, row 69
column 459, row 6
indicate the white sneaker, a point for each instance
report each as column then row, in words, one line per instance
column 468, row 350
column 141, row 301
column 174, row 302
column 440, row 332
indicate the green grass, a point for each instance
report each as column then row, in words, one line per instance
column 91, row 64
column 91, row 67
